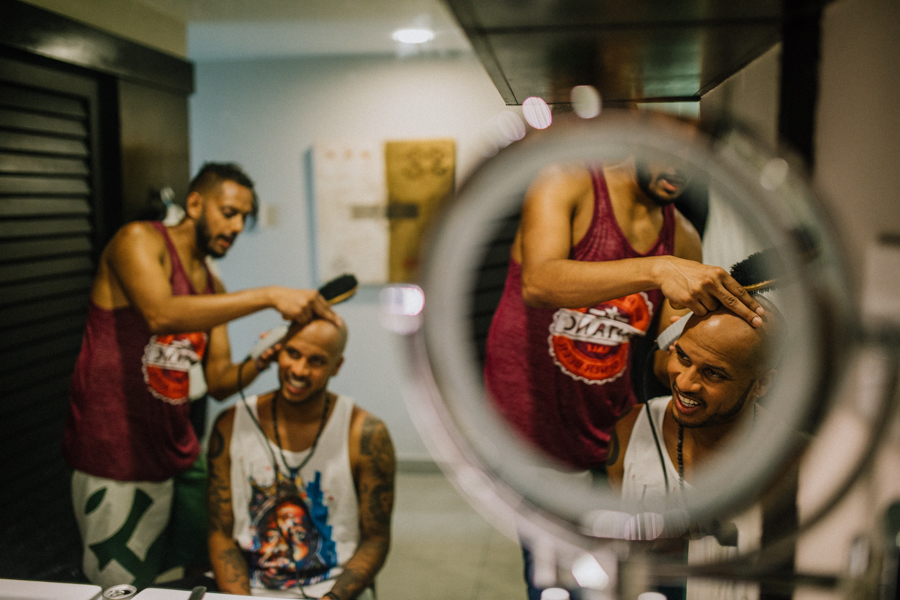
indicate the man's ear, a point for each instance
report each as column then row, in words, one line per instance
column 193, row 206
column 337, row 367
column 764, row 382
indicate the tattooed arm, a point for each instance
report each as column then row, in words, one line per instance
column 228, row 562
column 373, row 463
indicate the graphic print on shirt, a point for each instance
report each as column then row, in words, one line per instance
column 166, row 362
column 290, row 532
column 592, row 344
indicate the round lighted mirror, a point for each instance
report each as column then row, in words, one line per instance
column 757, row 202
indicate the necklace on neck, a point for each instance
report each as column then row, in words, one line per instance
column 312, row 449
column 681, row 447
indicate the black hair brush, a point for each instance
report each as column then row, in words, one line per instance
column 764, row 271
column 760, row 271
column 339, row 289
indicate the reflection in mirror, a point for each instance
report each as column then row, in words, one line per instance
column 729, row 424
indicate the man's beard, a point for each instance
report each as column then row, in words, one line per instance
column 204, row 238
column 644, row 179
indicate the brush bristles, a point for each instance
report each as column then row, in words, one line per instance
column 759, row 270
column 339, row 288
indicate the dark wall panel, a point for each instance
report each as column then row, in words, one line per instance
column 50, row 202
column 154, row 156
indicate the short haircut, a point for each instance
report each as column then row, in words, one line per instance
column 211, row 175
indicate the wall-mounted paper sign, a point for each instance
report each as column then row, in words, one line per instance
column 420, row 173
column 352, row 234
column 372, row 202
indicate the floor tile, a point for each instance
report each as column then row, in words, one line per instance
column 443, row 549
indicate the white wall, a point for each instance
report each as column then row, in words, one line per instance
column 266, row 114
column 750, row 96
column 857, row 149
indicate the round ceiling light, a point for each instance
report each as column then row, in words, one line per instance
column 413, row 36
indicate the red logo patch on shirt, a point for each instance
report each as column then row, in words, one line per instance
column 592, row 344
column 167, row 361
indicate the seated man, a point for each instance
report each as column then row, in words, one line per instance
column 301, row 482
column 718, row 369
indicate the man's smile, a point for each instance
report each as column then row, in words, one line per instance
column 296, row 385
column 686, row 404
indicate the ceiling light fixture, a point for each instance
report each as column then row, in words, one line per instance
column 413, row 36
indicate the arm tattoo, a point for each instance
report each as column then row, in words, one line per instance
column 216, row 444
column 219, row 506
column 376, row 501
column 377, row 488
column 235, row 568
column 218, row 490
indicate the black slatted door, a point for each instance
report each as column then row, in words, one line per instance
column 48, row 243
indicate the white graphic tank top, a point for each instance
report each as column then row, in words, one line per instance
column 643, row 482
column 301, row 529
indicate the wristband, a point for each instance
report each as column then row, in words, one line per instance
column 257, row 367
column 331, row 595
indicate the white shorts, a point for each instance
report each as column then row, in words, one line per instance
column 123, row 526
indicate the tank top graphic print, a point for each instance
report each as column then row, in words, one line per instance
column 167, row 359
column 296, row 527
column 592, row 344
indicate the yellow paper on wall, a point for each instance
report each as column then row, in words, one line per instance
column 420, row 173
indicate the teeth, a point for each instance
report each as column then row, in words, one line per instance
column 687, row 402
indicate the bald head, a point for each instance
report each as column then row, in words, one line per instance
column 311, row 354
column 720, row 367
column 731, row 335
column 328, row 332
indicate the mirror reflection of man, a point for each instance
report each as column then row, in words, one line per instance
column 718, row 370
column 156, row 312
column 599, row 251
column 301, row 481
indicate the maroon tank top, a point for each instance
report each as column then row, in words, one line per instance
column 561, row 377
column 129, row 402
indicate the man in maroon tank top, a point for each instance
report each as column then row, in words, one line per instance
column 156, row 313
column 599, row 251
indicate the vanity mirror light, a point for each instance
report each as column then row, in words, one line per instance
column 569, row 520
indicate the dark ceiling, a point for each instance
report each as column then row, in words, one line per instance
column 630, row 50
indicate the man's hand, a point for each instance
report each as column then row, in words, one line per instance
column 268, row 356
column 300, row 305
column 702, row 288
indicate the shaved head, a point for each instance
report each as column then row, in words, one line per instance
column 323, row 328
column 759, row 345
column 721, row 365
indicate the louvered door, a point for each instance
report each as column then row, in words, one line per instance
column 49, row 238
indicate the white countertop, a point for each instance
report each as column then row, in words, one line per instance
column 18, row 589
column 161, row 594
